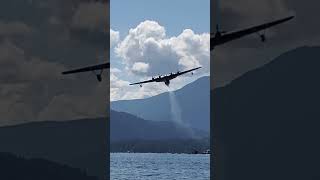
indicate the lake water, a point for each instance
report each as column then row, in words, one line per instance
column 146, row 166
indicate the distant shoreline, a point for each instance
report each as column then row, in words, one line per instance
column 191, row 146
column 157, row 153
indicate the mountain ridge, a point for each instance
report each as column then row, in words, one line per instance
column 77, row 143
column 127, row 127
column 269, row 117
column 193, row 101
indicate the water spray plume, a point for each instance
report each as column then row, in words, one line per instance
column 176, row 112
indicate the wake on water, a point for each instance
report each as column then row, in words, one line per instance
column 176, row 112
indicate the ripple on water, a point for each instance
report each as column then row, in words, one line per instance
column 147, row 166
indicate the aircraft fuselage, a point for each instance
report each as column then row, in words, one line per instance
column 166, row 79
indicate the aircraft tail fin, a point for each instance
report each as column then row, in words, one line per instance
column 217, row 4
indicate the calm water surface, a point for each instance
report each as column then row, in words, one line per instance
column 145, row 166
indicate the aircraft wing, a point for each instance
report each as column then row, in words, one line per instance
column 160, row 78
column 224, row 38
column 88, row 68
column 143, row 82
column 184, row 72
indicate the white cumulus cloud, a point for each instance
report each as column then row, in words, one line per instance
column 114, row 37
column 140, row 67
column 148, row 43
column 147, row 51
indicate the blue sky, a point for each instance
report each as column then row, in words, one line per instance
column 175, row 17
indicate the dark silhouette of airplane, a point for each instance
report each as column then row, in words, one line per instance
column 166, row 78
column 93, row 68
column 222, row 37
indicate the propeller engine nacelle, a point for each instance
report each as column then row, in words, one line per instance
column 98, row 74
column 167, row 82
column 99, row 77
column 263, row 38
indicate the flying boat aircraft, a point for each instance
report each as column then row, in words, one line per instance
column 166, row 78
column 93, row 68
column 222, row 37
